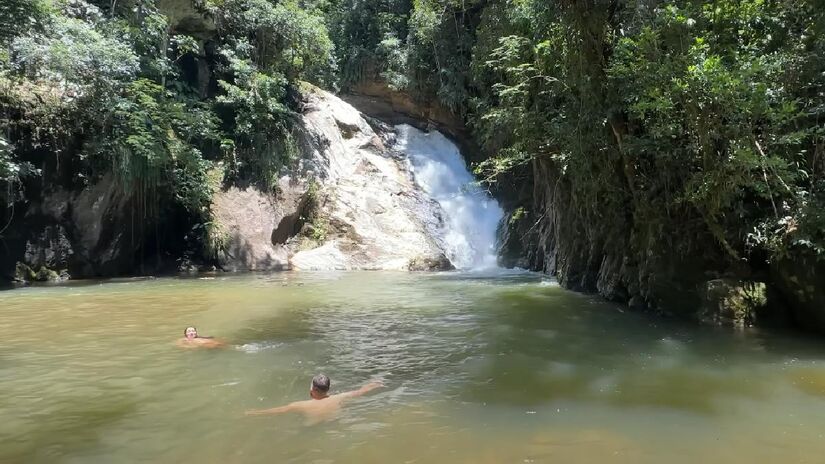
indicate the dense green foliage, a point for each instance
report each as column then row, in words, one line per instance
column 115, row 88
column 668, row 120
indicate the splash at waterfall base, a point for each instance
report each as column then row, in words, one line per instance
column 364, row 195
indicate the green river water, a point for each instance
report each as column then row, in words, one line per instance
column 499, row 368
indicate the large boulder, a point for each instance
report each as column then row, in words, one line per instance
column 368, row 211
column 82, row 234
column 255, row 226
column 350, row 202
column 50, row 249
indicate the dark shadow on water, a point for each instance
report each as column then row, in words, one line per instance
column 530, row 345
column 288, row 326
column 550, row 344
column 70, row 431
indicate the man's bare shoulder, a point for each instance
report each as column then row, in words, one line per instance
column 302, row 405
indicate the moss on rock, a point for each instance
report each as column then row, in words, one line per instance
column 25, row 273
column 733, row 302
column 427, row 263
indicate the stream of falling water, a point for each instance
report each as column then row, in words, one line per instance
column 471, row 215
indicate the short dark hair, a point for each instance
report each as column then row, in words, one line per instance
column 190, row 327
column 321, row 383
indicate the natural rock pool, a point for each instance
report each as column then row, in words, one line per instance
column 479, row 368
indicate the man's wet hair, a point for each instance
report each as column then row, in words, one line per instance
column 190, row 327
column 321, row 383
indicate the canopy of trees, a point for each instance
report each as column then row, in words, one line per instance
column 90, row 88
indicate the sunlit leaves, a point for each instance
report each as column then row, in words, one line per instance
column 285, row 38
column 392, row 53
column 75, row 55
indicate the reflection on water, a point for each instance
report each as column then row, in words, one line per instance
column 479, row 368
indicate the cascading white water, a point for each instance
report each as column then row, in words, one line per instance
column 471, row 215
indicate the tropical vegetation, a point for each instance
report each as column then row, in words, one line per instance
column 667, row 123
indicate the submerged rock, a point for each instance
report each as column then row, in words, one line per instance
column 810, row 380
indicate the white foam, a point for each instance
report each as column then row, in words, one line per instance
column 257, row 347
column 472, row 216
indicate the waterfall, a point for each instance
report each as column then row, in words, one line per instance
column 471, row 216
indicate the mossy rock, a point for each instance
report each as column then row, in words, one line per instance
column 46, row 275
column 430, row 263
column 24, row 273
column 733, row 302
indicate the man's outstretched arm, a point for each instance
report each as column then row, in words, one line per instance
column 271, row 411
column 363, row 390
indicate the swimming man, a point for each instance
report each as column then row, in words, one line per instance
column 191, row 339
column 322, row 406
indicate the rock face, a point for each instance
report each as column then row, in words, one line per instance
column 375, row 99
column 247, row 219
column 99, row 242
column 648, row 267
column 186, row 17
column 351, row 203
column 379, row 101
column 801, row 279
column 82, row 234
column 626, row 264
column 377, row 216
column 50, row 249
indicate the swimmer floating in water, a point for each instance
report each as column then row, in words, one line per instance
column 322, row 406
column 192, row 340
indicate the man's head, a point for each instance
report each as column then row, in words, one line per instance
column 190, row 333
column 320, row 387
